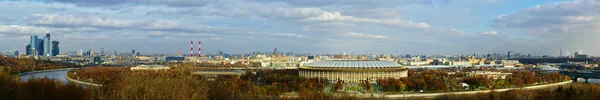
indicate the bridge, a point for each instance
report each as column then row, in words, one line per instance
column 585, row 74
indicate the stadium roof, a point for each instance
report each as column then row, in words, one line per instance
column 352, row 64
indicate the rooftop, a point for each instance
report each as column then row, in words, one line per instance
column 352, row 63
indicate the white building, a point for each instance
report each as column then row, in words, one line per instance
column 150, row 67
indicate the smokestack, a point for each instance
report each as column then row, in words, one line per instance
column 191, row 48
column 199, row 48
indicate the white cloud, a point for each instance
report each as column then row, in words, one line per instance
column 73, row 21
column 579, row 16
column 25, row 30
column 337, row 17
column 490, row 33
column 354, row 34
column 71, row 30
column 287, row 35
column 80, row 21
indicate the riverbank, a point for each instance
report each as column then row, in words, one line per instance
column 81, row 82
column 433, row 95
column 42, row 71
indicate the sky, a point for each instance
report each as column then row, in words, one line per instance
column 537, row 27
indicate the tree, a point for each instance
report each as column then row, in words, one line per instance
column 338, row 85
column 366, row 85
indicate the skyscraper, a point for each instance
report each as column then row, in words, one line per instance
column 55, row 49
column 33, row 41
column 16, row 52
column 28, row 49
column 48, row 45
column 102, row 52
column 133, row 52
column 508, row 56
column 40, row 47
column 80, row 52
column 275, row 52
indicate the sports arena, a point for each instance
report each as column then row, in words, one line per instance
column 353, row 71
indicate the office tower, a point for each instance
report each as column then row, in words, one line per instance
column 133, row 52
column 560, row 52
column 28, row 49
column 275, row 52
column 102, row 52
column 47, row 45
column 218, row 51
column 55, row 49
column 40, row 47
column 509, row 52
column 16, row 52
column 90, row 53
column 80, row 52
column 33, row 41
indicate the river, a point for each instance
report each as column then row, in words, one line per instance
column 58, row 74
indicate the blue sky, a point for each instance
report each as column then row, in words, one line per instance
column 539, row 27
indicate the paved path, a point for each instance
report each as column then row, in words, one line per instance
column 432, row 95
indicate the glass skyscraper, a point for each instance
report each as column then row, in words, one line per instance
column 33, row 41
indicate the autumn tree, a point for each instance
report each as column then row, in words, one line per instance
column 338, row 85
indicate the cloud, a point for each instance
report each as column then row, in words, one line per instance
column 490, row 33
column 183, row 3
column 71, row 30
column 580, row 16
column 81, row 21
column 354, row 34
column 569, row 24
column 24, row 30
column 74, row 21
column 287, row 35
column 353, row 3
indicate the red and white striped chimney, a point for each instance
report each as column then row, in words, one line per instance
column 191, row 48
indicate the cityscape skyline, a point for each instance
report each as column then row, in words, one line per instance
column 405, row 27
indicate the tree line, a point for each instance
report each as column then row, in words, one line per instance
column 440, row 81
column 19, row 65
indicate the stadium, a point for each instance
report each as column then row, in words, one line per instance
column 353, row 71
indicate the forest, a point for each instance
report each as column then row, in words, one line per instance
column 441, row 81
column 19, row 65
column 574, row 91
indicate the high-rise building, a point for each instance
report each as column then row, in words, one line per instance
column 508, row 56
column 40, row 47
column 560, row 53
column 133, row 52
column 489, row 55
column 48, row 45
column 16, row 52
column 80, row 52
column 55, row 49
column 275, row 52
column 102, row 52
column 33, row 41
column 28, row 49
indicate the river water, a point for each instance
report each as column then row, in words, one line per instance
column 53, row 74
